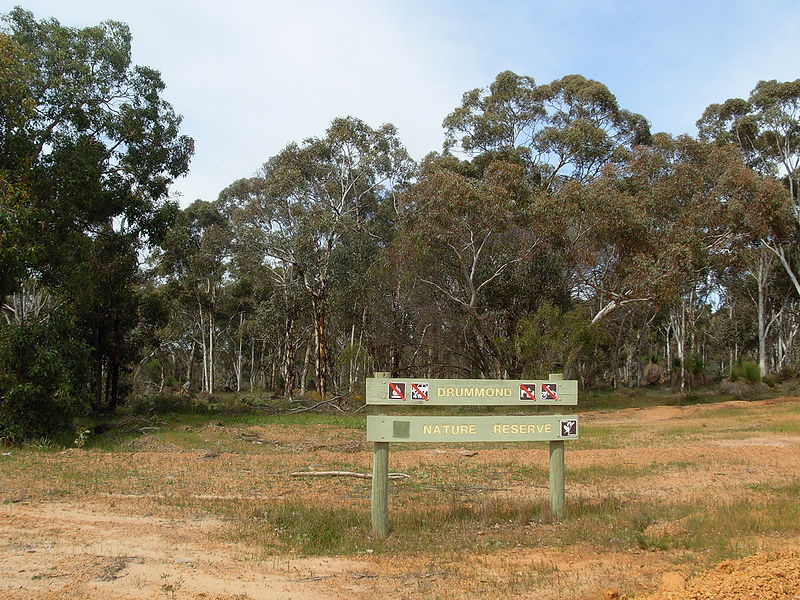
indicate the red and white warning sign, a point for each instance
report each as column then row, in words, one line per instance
column 397, row 390
column 549, row 392
column 419, row 391
column 527, row 392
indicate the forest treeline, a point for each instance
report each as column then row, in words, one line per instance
column 552, row 232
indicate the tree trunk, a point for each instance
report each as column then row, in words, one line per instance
column 204, row 385
column 252, row 360
column 761, row 279
column 304, row 372
column 239, row 357
column 289, row 357
column 678, row 325
column 321, row 339
column 190, row 365
column 780, row 252
column 668, row 350
column 211, row 352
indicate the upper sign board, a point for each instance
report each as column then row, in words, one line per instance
column 478, row 392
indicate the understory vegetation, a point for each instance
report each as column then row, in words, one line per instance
column 553, row 232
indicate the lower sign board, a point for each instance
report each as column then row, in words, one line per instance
column 385, row 428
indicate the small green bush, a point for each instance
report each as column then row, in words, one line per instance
column 745, row 370
column 695, row 364
column 44, row 371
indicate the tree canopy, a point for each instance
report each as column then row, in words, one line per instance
column 88, row 149
column 552, row 232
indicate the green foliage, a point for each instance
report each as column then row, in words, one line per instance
column 43, row 380
column 317, row 530
column 568, row 129
column 695, row 364
column 745, row 370
column 765, row 127
column 553, row 340
column 88, row 149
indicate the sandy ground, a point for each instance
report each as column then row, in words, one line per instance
column 105, row 532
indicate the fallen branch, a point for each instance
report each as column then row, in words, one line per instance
column 346, row 474
column 312, row 578
column 331, row 402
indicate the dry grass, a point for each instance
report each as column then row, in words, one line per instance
column 688, row 486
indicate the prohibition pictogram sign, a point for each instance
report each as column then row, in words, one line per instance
column 397, row 390
column 527, row 391
column 419, row 391
column 549, row 391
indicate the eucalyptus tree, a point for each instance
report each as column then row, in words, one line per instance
column 766, row 128
column 194, row 263
column 567, row 130
column 643, row 231
column 300, row 207
column 462, row 237
column 88, row 149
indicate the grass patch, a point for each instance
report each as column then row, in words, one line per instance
column 715, row 530
column 605, row 473
column 784, row 427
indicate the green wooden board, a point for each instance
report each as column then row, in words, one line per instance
column 476, row 392
column 385, row 428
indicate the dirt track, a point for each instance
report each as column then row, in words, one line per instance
column 93, row 524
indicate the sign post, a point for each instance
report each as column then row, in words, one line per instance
column 380, row 489
column 557, row 471
column 380, row 481
column 382, row 429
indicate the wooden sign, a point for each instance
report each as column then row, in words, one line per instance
column 477, row 392
column 384, row 428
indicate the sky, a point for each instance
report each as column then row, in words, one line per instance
column 251, row 76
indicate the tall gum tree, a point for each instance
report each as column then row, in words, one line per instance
column 766, row 128
column 306, row 198
column 641, row 231
column 89, row 142
column 566, row 130
column 460, row 237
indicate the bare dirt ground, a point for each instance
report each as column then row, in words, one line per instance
column 171, row 515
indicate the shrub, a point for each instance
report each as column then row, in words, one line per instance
column 695, row 364
column 44, row 385
column 786, row 373
column 737, row 389
column 745, row 370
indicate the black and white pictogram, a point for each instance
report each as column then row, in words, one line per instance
column 569, row 428
column 527, row 392
column 419, row 391
column 549, row 392
column 397, row 390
